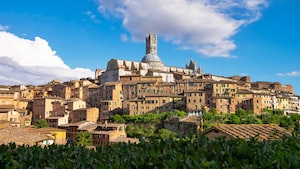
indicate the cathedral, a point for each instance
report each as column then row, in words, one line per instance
column 150, row 65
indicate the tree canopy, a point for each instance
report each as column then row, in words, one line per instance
column 83, row 139
column 41, row 123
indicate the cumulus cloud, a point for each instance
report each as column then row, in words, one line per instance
column 24, row 61
column 3, row 28
column 92, row 16
column 206, row 26
column 293, row 74
column 124, row 37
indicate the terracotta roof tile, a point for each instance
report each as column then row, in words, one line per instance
column 246, row 131
column 20, row 136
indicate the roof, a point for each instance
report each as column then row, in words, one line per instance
column 151, row 57
column 108, row 132
column 90, row 127
column 191, row 119
column 244, row 92
column 20, row 136
column 125, row 140
column 246, row 131
column 55, row 117
column 111, row 125
column 50, row 129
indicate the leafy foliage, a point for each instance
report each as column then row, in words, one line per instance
column 234, row 119
column 117, row 118
column 147, row 118
column 166, row 134
column 289, row 122
column 41, row 123
column 197, row 152
column 83, row 138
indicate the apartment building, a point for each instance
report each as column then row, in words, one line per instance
column 90, row 114
column 225, row 104
column 61, row 90
column 95, row 96
column 55, row 121
column 276, row 86
column 112, row 97
column 102, row 133
column 283, row 102
column 151, row 103
column 190, row 85
column 106, row 134
column 71, row 129
column 42, row 106
column 195, row 100
column 6, row 102
column 42, row 91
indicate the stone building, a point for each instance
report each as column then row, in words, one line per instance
column 42, row 107
column 90, row 114
column 150, row 65
column 103, row 134
column 183, row 127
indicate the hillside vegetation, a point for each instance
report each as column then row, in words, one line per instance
column 196, row 152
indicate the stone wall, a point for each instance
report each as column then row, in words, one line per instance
column 185, row 126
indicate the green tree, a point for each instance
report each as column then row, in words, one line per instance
column 118, row 118
column 241, row 113
column 234, row 119
column 214, row 111
column 41, row 123
column 130, row 130
column 251, row 119
column 208, row 116
column 150, row 131
column 279, row 112
column 179, row 113
column 269, row 118
column 83, row 138
column 166, row 134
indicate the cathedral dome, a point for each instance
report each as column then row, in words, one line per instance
column 151, row 57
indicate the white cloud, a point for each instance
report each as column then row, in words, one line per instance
column 124, row 37
column 256, row 4
column 3, row 28
column 293, row 74
column 92, row 16
column 25, row 61
column 206, row 26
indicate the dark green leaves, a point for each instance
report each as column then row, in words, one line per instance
column 196, row 152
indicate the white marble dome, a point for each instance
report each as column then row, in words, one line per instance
column 151, row 57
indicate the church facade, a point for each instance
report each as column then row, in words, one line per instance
column 150, row 65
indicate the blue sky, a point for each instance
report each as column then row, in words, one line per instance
column 55, row 39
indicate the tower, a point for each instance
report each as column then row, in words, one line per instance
column 151, row 44
column 151, row 56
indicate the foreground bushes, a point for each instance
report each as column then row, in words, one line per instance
column 184, row 153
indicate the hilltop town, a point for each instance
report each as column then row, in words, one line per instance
column 135, row 88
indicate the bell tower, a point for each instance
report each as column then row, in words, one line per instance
column 151, row 44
